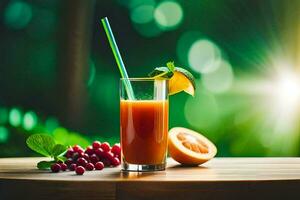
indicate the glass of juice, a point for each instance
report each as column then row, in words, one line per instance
column 144, row 124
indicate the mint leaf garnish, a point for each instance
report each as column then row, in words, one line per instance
column 41, row 143
column 45, row 164
column 57, row 150
column 171, row 66
column 45, row 145
column 163, row 72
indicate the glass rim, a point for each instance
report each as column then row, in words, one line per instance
column 142, row 79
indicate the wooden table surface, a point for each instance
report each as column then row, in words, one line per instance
column 220, row 178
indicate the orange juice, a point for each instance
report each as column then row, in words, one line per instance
column 144, row 131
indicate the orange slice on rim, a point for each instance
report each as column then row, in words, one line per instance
column 182, row 80
column 179, row 79
column 189, row 147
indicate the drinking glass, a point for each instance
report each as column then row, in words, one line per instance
column 144, row 124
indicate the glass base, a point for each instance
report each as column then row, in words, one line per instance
column 143, row 168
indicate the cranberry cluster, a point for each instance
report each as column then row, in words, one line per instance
column 97, row 156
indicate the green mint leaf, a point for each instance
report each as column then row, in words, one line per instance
column 58, row 149
column 41, row 143
column 163, row 72
column 60, row 158
column 171, row 66
column 45, row 164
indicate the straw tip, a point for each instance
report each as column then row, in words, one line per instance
column 104, row 19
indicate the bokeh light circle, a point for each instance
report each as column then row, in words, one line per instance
column 184, row 43
column 136, row 3
column 142, row 14
column 51, row 124
column 15, row 117
column 4, row 133
column 220, row 80
column 29, row 120
column 202, row 111
column 17, row 14
column 168, row 15
column 131, row 4
column 204, row 56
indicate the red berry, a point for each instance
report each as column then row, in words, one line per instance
column 99, row 152
column 81, row 162
column 63, row 166
column 80, row 155
column 80, row 151
column 89, row 166
column 105, row 146
column 115, row 162
column 72, row 167
column 106, row 162
column 108, row 155
column 89, row 150
column 55, row 167
column 94, row 158
column 69, row 161
column 79, row 170
column 69, row 153
column 99, row 165
column 116, row 149
column 85, row 156
column 96, row 144
column 77, row 149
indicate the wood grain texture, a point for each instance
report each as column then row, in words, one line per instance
column 221, row 178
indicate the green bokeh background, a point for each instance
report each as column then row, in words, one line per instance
column 233, row 48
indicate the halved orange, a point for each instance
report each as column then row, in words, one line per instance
column 189, row 147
